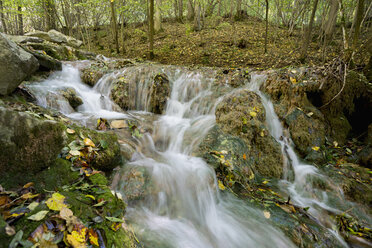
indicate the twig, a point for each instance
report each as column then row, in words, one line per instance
column 342, row 88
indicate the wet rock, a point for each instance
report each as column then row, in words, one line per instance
column 118, row 124
column 90, row 75
column 47, row 63
column 72, row 97
column 52, row 36
column 307, row 128
column 120, row 93
column 159, row 93
column 242, row 114
column 15, row 65
column 28, row 145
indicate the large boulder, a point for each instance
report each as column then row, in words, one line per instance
column 47, row 63
column 71, row 41
column 141, row 93
column 28, row 145
column 49, row 36
column 159, row 93
column 32, row 138
column 19, row 39
column 243, row 136
column 15, row 65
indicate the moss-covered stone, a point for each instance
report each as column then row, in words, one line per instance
column 242, row 114
column 28, row 146
column 159, row 93
column 72, row 97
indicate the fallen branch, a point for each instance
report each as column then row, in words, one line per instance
column 342, row 88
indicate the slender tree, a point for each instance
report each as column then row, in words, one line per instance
column 2, row 17
column 50, row 14
column 114, row 26
column 157, row 23
column 307, row 36
column 267, row 24
column 20, row 20
column 151, row 30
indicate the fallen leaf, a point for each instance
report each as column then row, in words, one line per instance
column 70, row 131
column 244, row 156
column 115, row 226
column 74, row 153
column 91, row 197
column 93, row 237
column 310, row 114
column 9, row 230
column 315, row 148
column 56, row 202
column 114, row 219
column 27, row 185
column 266, row 214
column 39, row 215
column 293, row 80
column 253, row 114
column 89, row 142
column 221, row 186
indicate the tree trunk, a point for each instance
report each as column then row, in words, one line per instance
column 343, row 25
column 151, row 30
column 50, row 14
column 190, row 10
column 2, row 17
column 180, row 10
column 239, row 10
column 20, row 21
column 331, row 20
column 175, row 5
column 267, row 24
column 307, row 36
column 197, row 19
column 114, row 26
column 358, row 20
column 157, row 24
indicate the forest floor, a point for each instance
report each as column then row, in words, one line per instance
column 221, row 44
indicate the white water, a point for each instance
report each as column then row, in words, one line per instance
column 188, row 210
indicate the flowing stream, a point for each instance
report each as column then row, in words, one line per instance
column 187, row 210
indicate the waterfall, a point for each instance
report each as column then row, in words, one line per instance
column 186, row 208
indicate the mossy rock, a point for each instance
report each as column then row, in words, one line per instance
column 28, row 146
column 159, row 93
column 242, row 114
column 72, row 97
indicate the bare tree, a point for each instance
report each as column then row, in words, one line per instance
column 307, row 36
column 114, row 26
column 2, row 17
column 267, row 24
column 157, row 24
column 20, row 20
column 151, row 30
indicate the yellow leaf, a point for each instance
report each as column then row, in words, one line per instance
column 73, row 240
column 91, row 197
column 70, row 131
column 262, row 134
column 265, row 182
column 244, row 156
column 56, row 202
column 93, row 237
column 89, row 142
column 293, row 80
column 221, row 186
column 315, row 148
column 253, row 114
column 266, row 214
column 74, row 153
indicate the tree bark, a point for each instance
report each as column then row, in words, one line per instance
column 157, row 24
column 180, row 10
column 331, row 20
column 151, row 30
column 20, row 21
column 190, row 10
column 307, row 36
column 50, row 14
column 197, row 19
column 238, row 10
column 267, row 24
column 2, row 17
column 114, row 26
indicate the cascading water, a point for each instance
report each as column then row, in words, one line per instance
column 187, row 209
